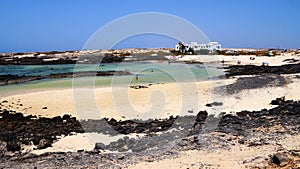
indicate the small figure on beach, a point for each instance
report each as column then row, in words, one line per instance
column 136, row 77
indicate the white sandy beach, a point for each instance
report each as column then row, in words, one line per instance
column 109, row 104
column 157, row 101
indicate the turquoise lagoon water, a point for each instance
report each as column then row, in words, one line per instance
column 146, row 72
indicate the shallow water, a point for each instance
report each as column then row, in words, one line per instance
column 143, row 73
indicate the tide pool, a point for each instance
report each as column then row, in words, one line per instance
column 142, row 73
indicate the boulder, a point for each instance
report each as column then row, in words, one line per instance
column 13, row 145
column 280, row 159
column 100, row 146
column 43, row 143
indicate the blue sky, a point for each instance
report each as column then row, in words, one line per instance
column 35, row 25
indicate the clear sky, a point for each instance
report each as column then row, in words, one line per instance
column 46, row 25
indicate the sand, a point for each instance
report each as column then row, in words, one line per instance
column 244, row 60
column 156, row 101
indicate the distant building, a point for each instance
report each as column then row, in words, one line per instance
column 197, row 48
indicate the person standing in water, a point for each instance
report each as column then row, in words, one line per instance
column 136, row 77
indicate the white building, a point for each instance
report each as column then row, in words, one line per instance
column 196, row 47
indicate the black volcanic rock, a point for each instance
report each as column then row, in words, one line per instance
column 214, row 104
column 100, row 146
column 277, row 101
column 112, row 59
column 138, row 86
column 51, row 59
column 237, row 70
column 208, row 105
column 16, row 129
column 13, row 145
column 138, row 126
column 286, row 114
column 280, row 159
column 253, row 82
column 16, row 79
column 43, row 143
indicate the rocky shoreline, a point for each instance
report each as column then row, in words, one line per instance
column 47, row 58
column 237, row 70
column 15, row 79
column 255, row 128
column 17, row 129
column 83, row 56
